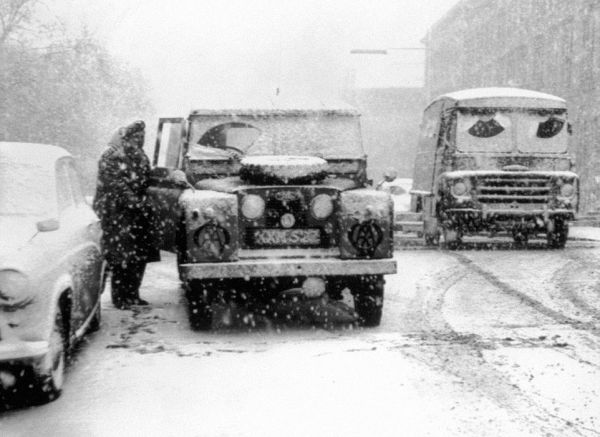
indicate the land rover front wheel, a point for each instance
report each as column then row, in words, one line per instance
column 557, row 234
column 198, row 293
column 367, row 291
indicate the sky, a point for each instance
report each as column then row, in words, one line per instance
column 194, row 51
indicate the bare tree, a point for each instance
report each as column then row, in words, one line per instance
column 15, row 16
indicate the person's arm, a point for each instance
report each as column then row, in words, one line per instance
column 115, row 175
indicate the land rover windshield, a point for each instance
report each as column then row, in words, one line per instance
column 326, row 136
column 506, row 131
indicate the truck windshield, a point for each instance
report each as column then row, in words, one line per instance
column 325, row 136
column 504, row 131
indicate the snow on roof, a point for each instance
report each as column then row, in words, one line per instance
column 503, row 97
column 266, row 105
column 36, row 154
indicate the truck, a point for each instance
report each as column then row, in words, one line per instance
column 495, row 161
column 263, row 201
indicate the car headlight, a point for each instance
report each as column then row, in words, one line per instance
column 459, row 188
column 567, row 190
column 15, row 291
column 321, row 206
column 253, row 206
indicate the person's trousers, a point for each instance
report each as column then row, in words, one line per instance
column 125, row 281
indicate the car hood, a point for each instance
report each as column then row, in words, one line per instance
column 16, row 233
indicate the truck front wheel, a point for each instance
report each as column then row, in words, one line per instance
column 557, row 235
column 452, row 238
column 367, row 291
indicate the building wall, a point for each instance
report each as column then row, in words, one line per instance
column 551, row 46
column 390, row 120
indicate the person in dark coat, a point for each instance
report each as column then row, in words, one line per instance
column 129, row 228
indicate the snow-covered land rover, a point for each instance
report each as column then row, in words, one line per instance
column 275, row 199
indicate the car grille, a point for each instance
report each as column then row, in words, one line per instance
column 304, row 232
column 513, row 189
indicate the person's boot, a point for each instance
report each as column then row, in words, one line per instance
column 118, row 300
column 139, row 301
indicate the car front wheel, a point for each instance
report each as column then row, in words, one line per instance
column 50, row 374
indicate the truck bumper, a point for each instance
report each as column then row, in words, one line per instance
column 261, row 268
column 513, row 213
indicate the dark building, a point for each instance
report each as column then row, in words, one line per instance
column 551, row 46
column 390, row 127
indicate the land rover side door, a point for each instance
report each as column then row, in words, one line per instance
column 166, row 179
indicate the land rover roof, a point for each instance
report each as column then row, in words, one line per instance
column 501, row 98
column 276, row 105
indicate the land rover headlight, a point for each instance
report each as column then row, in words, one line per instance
column 567, row 190
column 459, row 188
column 253, row 206
column 15, row 291
column 321, row 206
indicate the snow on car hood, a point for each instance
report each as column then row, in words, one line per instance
column 16, row 232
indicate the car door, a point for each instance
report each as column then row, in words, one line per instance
column 80, row 232
column 164, row 189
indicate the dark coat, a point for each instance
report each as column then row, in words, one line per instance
column 127, row 216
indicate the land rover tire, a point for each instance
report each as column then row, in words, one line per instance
column 180, row 249
column 199, row 295
column 367, row 291
column 557, row 234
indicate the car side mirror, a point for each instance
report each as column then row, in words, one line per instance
column 48, row 225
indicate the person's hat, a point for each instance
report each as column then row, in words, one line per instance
column 133, row 128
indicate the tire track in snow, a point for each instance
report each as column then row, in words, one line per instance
column 579, row 267
column 461, row 356
column 523, row 297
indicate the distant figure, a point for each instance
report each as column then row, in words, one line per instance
column 129, row 238
column 389, row 176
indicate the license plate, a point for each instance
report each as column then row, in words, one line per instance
column 286, row 237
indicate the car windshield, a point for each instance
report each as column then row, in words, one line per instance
column 503, row 131
column 24, row 190
column 327, row 136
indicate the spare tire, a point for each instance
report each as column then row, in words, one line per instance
column 283, row 169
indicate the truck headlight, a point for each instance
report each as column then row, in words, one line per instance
column 567, row 190
column 321, row 206
column 15, row 291
column 253, row 206
column 459, row 188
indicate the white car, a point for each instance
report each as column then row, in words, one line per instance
column 51, row 269
column 399, row 189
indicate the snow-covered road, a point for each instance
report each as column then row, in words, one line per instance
column 480, row 342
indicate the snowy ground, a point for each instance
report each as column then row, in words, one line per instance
column 484, row 341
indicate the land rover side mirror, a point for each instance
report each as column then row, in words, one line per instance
column 179, row 178
column 48, row 225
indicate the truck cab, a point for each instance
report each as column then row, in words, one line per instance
column 492, row 161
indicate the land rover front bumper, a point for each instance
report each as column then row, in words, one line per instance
column 259, row 264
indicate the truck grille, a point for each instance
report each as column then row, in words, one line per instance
column 513, row 189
